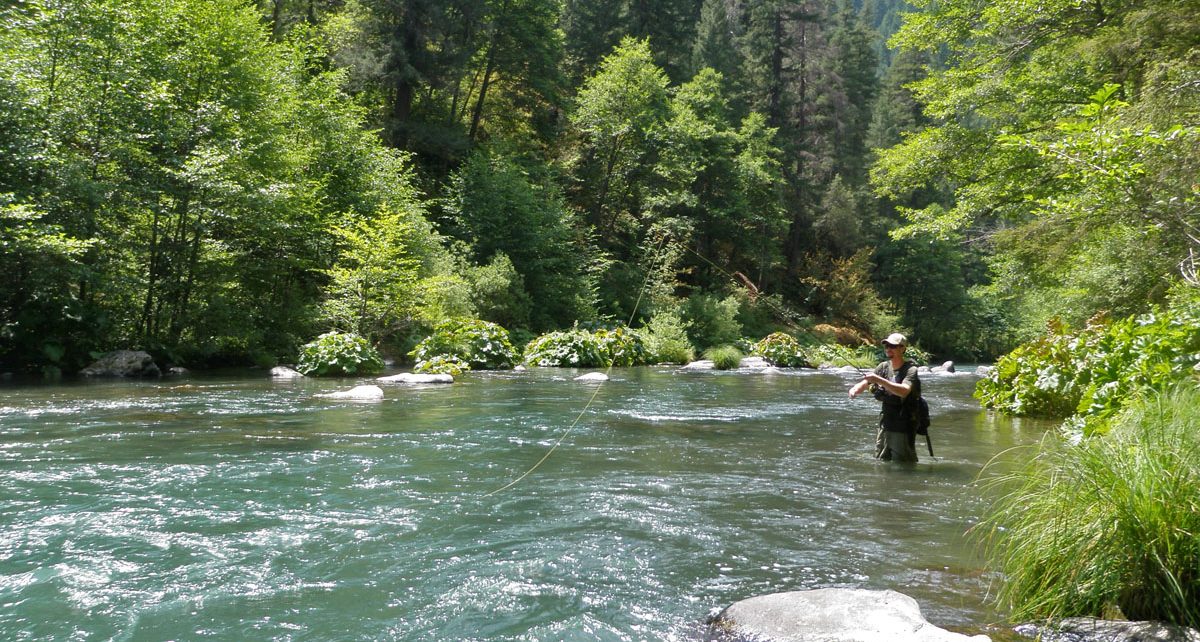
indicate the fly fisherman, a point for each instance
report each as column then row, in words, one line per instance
column 894, row 382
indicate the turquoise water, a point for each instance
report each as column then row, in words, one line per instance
column 246, row 509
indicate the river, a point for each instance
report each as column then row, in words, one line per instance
column 241, row 508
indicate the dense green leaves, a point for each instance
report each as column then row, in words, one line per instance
column 579, row 348
column 218, row 181
column 498, row 207
column 1049, row 125
column 782, row 350
column 1090, row 375
column 338, row 353
column 465, row 344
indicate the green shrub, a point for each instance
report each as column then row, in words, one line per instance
column 620, row 346
column 442, row 364
column 725, row 357
column 1088, row 376
column 764, row 314
column 617, row 346
column 481, row 345
column 666, row 340
column 570, row 348
column 783, row 350
column 1111, row 521
column 498, row 291
column 338, row 353
column 712, row 321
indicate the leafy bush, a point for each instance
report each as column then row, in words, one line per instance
column 481, row 345
column 498, row 292
column 569, row 348
column 724, row 357
column 666, row 340
column 442, row 364
column 782, row 350
column 337, row 353
column 618, row 346
column 1111, row 521
column 1090, row 375
column 713, row 321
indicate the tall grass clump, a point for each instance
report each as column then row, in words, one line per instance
column 1113, row 521
column 724, row 357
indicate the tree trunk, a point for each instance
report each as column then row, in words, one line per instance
column 477, row 114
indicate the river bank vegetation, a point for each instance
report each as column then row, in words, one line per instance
column 1109, row 526
column 220, row 182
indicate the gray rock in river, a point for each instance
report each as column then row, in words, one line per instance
column 946, row 368
column 414, row 377
column 703, row 364
column 754, row 363
column 284, row 372
column 123, row 363
column 357, row 393
column 829, row 615
column 1086, row 629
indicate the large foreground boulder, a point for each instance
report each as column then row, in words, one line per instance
column 1086, row 629
column 123, row 363
column 829, row 615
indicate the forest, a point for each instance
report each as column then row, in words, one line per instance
column 220, row 181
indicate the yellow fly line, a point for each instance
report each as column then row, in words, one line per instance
column 600, row 384
column 742, row 282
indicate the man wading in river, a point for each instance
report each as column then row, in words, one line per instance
column 895, row 383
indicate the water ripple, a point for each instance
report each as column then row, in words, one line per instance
column 242, row 509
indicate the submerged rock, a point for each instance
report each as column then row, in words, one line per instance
column 123, row 363
column 756, row 363
column 592, row 376
column 703, row 364
column 829, row 615
column 1085, row 629
column 357, row 393
column 413, row 377
column 945, row 368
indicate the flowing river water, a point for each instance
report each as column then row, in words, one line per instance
column 241, row 508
